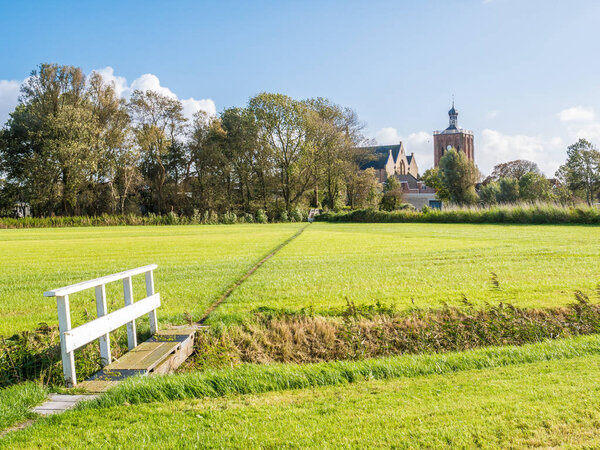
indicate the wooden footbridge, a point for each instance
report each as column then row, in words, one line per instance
column 161, row 354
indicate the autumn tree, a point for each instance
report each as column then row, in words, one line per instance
column 581, row 171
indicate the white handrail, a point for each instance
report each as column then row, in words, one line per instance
column 66, row 290
column 100, row 328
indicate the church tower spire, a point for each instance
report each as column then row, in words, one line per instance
column 453, row 115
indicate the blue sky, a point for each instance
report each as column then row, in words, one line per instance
column 524, row 72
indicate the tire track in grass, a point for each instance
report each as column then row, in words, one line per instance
column 244, row 277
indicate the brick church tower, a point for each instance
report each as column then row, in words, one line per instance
column 460, row 139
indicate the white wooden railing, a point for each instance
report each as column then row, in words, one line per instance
column 73, row 338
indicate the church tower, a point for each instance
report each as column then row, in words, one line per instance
column 452, row 137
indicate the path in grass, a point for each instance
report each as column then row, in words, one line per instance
column 196, row 264
column 551, row 403
column 253, row 269
column 425, row 265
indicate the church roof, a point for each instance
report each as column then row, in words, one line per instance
column 409, row 158
column 409, row 179
column 381, row 153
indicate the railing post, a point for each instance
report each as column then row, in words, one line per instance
column 64, row 325
column 131, row 331
column 102, row 310
column 150, row 291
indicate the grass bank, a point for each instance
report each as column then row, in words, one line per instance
column 376, row 330
column 547, row 403
column 254, row 379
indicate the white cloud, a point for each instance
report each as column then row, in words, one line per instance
column 387, row 136
column 577, row 114
column 491, row 114
column 418, row 143
column 9, row 97
column 494, row 148
column 150, row 82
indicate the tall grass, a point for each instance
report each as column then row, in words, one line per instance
column 368, row 331
column 253, row 379
column 515, row 214
column 208, row 218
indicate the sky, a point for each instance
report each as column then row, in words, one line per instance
column 524, row 73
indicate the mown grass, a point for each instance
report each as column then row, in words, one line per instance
column 423, row 265
column 196, row 264
column 544, row 403
column 17, row 401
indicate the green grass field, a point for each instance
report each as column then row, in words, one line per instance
column 196, row 264
column 549, row 403
column 424, row 265
column 427, row 264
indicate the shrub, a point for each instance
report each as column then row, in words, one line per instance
column 261, row 216
column 229, row 218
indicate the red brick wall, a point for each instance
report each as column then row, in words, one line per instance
column 460, row 141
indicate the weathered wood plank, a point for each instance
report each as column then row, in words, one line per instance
column 151, row 357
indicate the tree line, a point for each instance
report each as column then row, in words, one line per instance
column 73, row 147
column 457, row 180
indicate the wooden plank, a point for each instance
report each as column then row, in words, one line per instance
column 85, row 333
column 98, row 281
column 150, row 358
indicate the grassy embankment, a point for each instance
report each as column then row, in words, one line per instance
column 540, row 394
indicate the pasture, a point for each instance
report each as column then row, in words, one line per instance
column 196, row 264
column 407, row 265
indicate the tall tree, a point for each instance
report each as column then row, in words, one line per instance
column 458, row 176
column 282, row 129
column 159, row 124
column 581, row 171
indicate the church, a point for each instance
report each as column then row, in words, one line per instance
column 392, row 160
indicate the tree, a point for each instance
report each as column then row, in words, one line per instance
column 509, row 190
column 535, row 187
column 334, row 135
column 363, row 189
column 393, row 195
column 513, row 169
column 581, row 171
column 46, row 143
column 458, row 176
column 433, row 179
column 490, row 193
column 282, row 129
column 158, row 124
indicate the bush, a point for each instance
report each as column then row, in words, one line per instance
column 296, row 215
column 261, row 216
column 229, row 218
